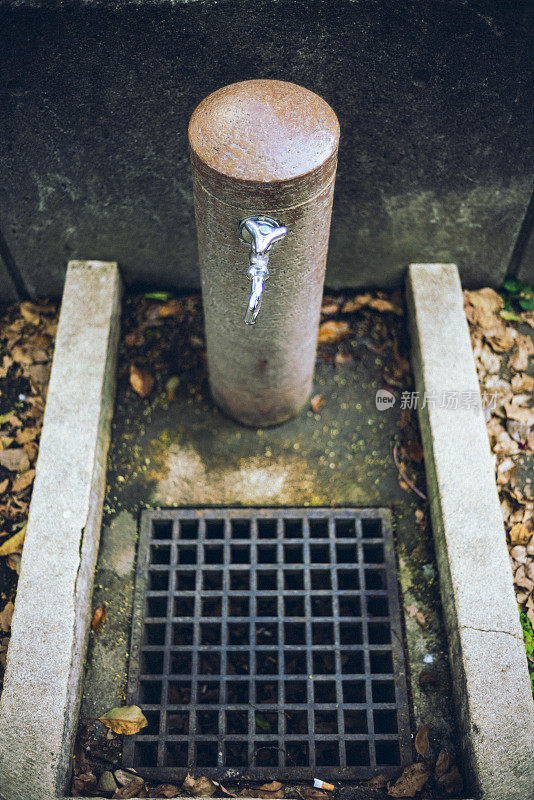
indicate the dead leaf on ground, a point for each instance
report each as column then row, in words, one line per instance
column 452, row 781
column 23, row 481
column 274, row 789
column 356, row 303
column 426, row 679
column 317, row 402
column 39, row 373
column 523, row 415
column 414, row 613
column 127, row 720
column 522, row 382
column 329, row 307
column 141, row 381
column 411, row 781
column 15, row 460
column 13, row 562
column 84, row 785
column 135, row 788
column 380, row 304
column 30, row 312
column 6, row 615
column 26, row 435
column 422, row 743
column 99, row 617
column 171, row 308
column 165, row 790
column 332, row 331
column 3, row 485
column 519, row 534
column 199, row 787
column 523, row 350
column 14, row 544
column 309, row 793
column 378, row 782
column 482, row 305
column 443, row 764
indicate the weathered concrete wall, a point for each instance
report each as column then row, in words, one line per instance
column 434, row 100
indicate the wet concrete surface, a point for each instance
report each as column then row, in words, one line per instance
column 177, row 449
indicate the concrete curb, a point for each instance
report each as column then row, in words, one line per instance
column 491, row 685
column 40, row 700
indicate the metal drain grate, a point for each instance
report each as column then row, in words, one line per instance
column 268, row 643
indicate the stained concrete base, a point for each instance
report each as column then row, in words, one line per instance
column 40, row 701
column 184, row 452
column 491, row 683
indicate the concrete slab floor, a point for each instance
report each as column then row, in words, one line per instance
column 176, row 449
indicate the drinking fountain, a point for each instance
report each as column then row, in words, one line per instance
column 264, row 157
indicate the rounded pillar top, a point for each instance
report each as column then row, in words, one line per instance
column 263, row 133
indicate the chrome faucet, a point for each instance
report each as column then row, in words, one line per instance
column 261, row 233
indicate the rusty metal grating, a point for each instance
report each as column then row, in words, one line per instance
column 268, row 643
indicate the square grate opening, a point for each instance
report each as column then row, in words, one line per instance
column 268, row 643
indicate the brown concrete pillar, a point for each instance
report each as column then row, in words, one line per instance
column 269, row 148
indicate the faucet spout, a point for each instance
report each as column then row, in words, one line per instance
column 254, row 303
column 261, row 234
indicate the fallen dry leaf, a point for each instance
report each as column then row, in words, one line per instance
column 452, row 781
column 165, row 790
column 3, row 485
column 99, row 617
column 332, row 331
column 14, row 544
column 414, row 613
column 309, row 793
column 199, row 787
column 411, row 781
column 274, row 789
column 171, row 308
column 127, row 720
column 26, row 435
column 135, row 788
column 13, row 562
column 30, row 312
column 485, row 302
column 378, row 782
column 84, row 785
column 356, row 303
column 141, row 381
column 6, row 615
column 23, row 481
column 519, row 534
column 15, row 459
column 522, row 351
column 39, row 373
column 513, row 411
column 422, row 743
column 443, row 764
column 317, row 402
column 380, row 304
column 521, row 382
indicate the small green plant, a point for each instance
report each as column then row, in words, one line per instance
column 528, row 636
column 517, row 297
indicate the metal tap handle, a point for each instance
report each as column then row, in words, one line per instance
column 261, row 233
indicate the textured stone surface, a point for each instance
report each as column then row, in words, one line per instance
column 491, row 684
column 434, row 101
column 261, row 375
column 40, row 700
